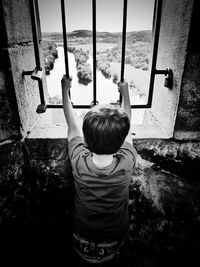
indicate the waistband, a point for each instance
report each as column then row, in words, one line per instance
column 95, row 252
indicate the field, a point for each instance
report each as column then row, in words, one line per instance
column 137, row 57
column 89, row 47
column 139, row 76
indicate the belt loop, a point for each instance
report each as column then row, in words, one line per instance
column 92, row 246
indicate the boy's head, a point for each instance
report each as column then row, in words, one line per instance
column 105, row 129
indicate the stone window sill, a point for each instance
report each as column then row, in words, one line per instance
column 55, row 127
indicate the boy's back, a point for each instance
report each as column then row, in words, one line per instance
column 101, row 207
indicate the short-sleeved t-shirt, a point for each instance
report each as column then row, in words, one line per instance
column 101, row 202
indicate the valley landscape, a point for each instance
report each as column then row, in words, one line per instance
column 137, row 57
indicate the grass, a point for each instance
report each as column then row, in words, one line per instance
column 139, row 76
column 100, row 46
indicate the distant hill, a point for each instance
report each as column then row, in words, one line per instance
column 80, row 33
column 139, row 36
column 132, row 37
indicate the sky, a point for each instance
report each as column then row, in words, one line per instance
column 109, row 14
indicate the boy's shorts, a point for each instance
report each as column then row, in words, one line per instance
column 96, row 252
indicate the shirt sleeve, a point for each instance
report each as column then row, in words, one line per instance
column 76, row 147
column 130, row 154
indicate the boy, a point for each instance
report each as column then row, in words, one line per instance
column 102, row 163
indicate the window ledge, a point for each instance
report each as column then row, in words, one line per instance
column 52, row 124
column 138, row 131
column 46, row 128
column 148, row 131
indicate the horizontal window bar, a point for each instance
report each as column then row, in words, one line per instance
column 88, row 106
column 74, row 106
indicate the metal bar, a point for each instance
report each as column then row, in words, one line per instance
column 154, row 17
column 74, row 106
column 156, row 31
column 162, row 71
column 94, row 50
column 35, row 34
column 36, row 47
column 123, row 44
column 41, row 91
column 139, row 106
column 64, row 37
column 88, row 106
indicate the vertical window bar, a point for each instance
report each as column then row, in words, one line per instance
column 64, row 37
column 94, row 50
column 36, row 46
column 156, row 31
column 123, row 44
column 35, row 34
column 154, row 17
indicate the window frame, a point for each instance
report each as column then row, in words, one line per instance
column 153, row 71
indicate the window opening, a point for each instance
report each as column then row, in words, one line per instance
column 36, row 74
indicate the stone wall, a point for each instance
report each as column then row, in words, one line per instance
column 17, row 56
column 188, row 117
column 9, row 117
column 37, row 198
column 36, row 201
column 164, row 208
column 19, row 97
column 174, row 31
column 164, row 219
column 181, row 158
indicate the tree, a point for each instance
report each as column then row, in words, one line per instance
column 115, row 78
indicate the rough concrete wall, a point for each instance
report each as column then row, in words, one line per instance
column 11, row 176
column 164, row 219
column 12, row 163
column 19, row 96
column 17, row 50
column 49, row 159
column 180, row 158
column 15, row 22
column 188, row 117
column 164, row 208
column 11, row 156
column 9, row 118
column 27, row 91
column 175, row 24
column 18, row 101
column 36, row 201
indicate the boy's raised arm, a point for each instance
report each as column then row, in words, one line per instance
column 73, row 126
column 126, row 105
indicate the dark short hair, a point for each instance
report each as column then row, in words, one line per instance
column 105, row 129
